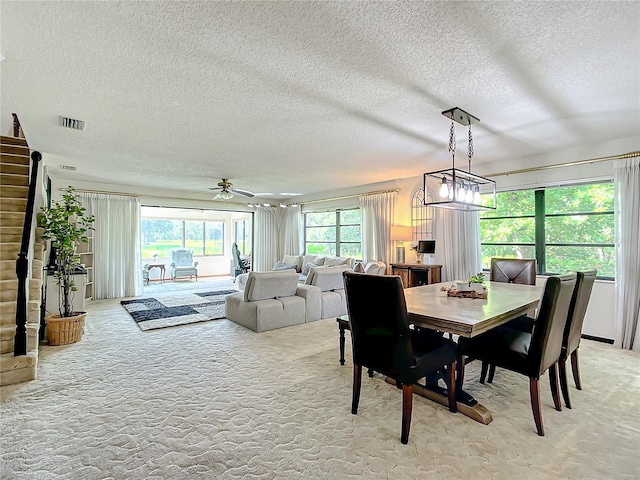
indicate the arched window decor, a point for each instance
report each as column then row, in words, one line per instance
column 421, row 216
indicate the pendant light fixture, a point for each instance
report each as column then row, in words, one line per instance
column 457, row 189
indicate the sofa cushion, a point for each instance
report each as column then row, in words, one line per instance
column 284, row 266
column 335, row 261
column 264, row 285
column 333, row 304
column 307, row 267
column 293, row 260
column 327, row 278
column 317, row 259
column 375, row 268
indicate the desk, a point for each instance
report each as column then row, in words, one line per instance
column 157, row 265
column 429, row 307
column 414, row 274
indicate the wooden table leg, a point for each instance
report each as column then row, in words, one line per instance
column 342, row 327
column 476, row 412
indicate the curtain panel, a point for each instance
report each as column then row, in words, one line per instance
column 293, row 231
column 117, row 267
column 627, row 218
column 458, row 243
column 378, row 214
column 267, row 239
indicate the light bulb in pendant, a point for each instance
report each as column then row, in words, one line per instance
column 476, row 196
column 469, row 197
column 444, row 188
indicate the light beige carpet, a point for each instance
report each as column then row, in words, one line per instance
column 215, row 400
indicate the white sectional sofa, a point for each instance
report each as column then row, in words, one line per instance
column 270, row 300
column 327, row 285
column 285, row 297
column 303, row 263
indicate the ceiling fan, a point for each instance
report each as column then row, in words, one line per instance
column 226, row 190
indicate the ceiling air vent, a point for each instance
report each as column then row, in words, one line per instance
column 68, row 167
column 71, row 123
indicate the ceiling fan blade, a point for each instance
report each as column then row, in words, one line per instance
column 246, row 193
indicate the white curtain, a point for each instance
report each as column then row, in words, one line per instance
column 292, row 231
column 458, row 244
column 378, row 214
column 267, row 239
column 627, row 215
column 117, row 268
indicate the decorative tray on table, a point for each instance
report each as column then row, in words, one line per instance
column 452, row 291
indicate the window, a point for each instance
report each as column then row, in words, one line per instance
column 214, row 238
column 242, row 236
column 160, row 236
column 563, row 228
column 194, row 236
column 333, row 233
column 421, row 216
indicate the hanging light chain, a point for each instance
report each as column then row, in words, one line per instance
column 470, row 152
column 452, row 139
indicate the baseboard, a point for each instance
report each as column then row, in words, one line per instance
column 598, row 339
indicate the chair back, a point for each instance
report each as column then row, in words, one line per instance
column 577, row 309
column 182, row 257
column 548, row 331
column 513, row 270
column 236, row 255
column 378, row 320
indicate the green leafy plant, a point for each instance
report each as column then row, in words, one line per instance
column 66, row 224
column 477, row 278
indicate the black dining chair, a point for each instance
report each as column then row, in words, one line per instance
column 510, row 270
column 513, row 270
column 572, row 331
column 530, row 354
column 383, row 342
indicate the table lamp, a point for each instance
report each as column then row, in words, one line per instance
column 428, row 247
column 400, row 233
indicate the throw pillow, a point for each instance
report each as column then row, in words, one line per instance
column 358, row 267
column 307, row 267
column 317, row 259
column 283, row 266
column 293, row 260
column 335, row 261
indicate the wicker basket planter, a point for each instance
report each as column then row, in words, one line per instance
column 65, row 330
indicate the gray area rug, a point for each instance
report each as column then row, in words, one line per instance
column 182, row 309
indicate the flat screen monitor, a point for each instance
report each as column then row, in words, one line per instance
column 427, row 246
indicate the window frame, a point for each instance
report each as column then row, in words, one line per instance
column 337, row 225
column 540, row 244
column 246, row 237
column 184, row 221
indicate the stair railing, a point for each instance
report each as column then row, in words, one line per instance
column 22, row 264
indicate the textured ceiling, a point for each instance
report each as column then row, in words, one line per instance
column 304, row 97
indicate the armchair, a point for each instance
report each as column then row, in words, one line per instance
column 239, row 265
column 182, row 264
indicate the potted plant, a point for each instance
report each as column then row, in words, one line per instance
column 476, row 282
column 65, row 223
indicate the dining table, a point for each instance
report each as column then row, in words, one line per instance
column 431, row 306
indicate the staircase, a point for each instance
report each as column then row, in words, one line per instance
column 14, row 187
